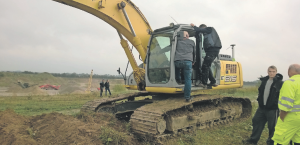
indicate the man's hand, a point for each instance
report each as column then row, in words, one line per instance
column 192, row 25
column 282, row 115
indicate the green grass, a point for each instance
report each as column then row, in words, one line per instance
column 249, row 92
column 36, row 105
column 118, row 88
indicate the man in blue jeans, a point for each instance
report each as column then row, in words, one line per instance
column 184, row 59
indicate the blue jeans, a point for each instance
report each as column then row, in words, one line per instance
column 187, row 69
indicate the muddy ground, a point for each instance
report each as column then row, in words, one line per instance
column 56, row 128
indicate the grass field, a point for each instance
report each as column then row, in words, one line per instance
column 67, row 103
column 71, row 104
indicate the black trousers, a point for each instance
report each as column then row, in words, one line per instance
column 206, row 71
column 261, row 117
column 107, row 89
column 101, row 91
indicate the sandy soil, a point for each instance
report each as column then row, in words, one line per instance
column 56, row 128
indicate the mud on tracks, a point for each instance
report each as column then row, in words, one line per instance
column 56, row 128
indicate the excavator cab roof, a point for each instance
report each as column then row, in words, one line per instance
column 184, row 27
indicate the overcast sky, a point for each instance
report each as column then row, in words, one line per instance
column 46, row 36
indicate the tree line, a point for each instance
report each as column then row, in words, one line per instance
column 70, row 75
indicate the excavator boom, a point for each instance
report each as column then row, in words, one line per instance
column 128, row 20
column 111, row 13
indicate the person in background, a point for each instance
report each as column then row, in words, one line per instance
column 288, row 124
column 102, row 85
column 268, row 94
column 107, row 88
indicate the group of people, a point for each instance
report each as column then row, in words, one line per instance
column 279, row 102
column 187, row 54
column 106, row 86
column 278, row 98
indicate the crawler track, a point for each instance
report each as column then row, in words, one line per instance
column 167, row 116
column 172, row 116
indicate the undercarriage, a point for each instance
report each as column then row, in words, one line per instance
column 159, row 115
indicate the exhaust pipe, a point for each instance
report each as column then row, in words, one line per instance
column 233, row 56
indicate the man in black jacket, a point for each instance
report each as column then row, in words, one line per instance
column 268, row 94
column 212, row 45
column 102, row 85
column 107, row 88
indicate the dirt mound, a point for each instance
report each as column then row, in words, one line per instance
column 35, row 90
column 14, row 129
column 56, row 128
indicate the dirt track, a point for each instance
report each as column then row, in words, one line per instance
column 56, row 128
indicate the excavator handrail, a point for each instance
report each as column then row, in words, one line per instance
column 142, row 15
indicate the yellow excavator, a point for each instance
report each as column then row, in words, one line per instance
column 165, row 112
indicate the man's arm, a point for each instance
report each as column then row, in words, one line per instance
column 206, row 30
column 286, row 99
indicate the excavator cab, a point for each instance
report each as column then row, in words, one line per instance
column 160, row 67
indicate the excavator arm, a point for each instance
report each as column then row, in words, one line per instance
column 129, row 22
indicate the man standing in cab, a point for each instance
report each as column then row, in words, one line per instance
column 184, row 60
column 212, row 45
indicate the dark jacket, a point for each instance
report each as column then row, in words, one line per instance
column 106, row 84
column 102, row 85
column 211, row 41
column 272, row 101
